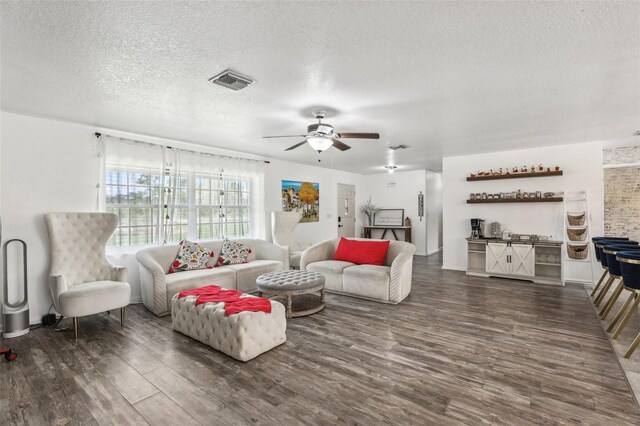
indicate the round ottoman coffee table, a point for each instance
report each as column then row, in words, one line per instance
column 293, row 283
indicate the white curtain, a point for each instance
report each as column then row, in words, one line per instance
column 132, row 173
column 175, row 194
column 236, row 178
column 252, row 171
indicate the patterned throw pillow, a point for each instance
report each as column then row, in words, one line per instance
column 233, row 253
column 191, row 256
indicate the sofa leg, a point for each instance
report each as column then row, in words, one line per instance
column 75, row 327
column 122, row 316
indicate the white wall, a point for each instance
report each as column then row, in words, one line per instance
column 327, row 227
column 582, row 165
column 1, row 234
column 404, row 195
column 49, row 165
column 433, row 211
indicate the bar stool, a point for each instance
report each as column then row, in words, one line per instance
column 630, row 269
column 613, row 265
column 597, row 252
column 603, row 261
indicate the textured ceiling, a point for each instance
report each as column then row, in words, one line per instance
column 444, row 78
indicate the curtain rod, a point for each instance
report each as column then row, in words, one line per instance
column 98, row 135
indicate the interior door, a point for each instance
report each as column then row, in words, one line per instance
column 497, row 258
column 523, row 260
column 346, row 211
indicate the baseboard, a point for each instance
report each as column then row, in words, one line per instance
column 569, row 280
column 429, row 253
column 450, row 268
column 420, row 253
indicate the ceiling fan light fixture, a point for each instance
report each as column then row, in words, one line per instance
column 390, row 168
column 320, row 143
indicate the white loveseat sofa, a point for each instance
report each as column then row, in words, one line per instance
column 390, row 283
column 158, row 287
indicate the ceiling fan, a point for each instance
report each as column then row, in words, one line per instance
column 321, row 136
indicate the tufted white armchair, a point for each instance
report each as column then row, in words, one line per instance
column 282, row 226
column 82, row 280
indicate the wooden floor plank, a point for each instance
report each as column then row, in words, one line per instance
column 106, row 404
column 159, row 409
column 200, row 404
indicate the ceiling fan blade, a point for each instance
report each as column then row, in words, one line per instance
column 296, row 145
column 359, row 135
column 287, row 136
column 340, row 145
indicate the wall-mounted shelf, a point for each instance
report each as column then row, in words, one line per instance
column 515, row 175
column 517, row 200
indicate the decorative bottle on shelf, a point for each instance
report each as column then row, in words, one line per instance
column 407, row 221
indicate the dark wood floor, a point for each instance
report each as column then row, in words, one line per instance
column 459, row 350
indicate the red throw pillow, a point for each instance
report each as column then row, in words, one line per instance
column 362, row 252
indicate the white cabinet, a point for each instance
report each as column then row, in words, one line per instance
column 522, row 260
column 510, row 259
column 497, row 258
column 537, row 261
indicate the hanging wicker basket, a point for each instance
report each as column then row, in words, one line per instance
column 577, row 251
column 577, row 234
column 576, row 219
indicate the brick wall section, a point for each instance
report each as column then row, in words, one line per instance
column 625, row 155
column 622, row 201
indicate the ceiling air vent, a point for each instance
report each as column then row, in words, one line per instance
column 231, row 79
column 401, row 146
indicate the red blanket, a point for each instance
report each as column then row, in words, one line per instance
column 233, row 302
column 227, row 296
column 208, row 289
column 248, row 304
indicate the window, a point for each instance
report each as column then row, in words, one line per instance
column 134, row 195
column 223, row 206
column 165, row 194
column 194, row 205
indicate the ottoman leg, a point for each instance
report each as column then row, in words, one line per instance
column 289, row 310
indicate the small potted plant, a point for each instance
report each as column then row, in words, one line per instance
column 369, row 209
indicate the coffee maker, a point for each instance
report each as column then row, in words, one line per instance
column 477, row 228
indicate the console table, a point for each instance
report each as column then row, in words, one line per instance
column 406, row 229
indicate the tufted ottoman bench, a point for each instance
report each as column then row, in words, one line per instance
column 294, row 283
column 242, row 336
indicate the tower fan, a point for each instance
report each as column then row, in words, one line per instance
column 15, row 315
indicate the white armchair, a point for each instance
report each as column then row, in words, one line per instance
column 282, row 226
column 82, row 280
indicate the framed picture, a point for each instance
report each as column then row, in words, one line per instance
column 302, row 197
column 389, row 217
